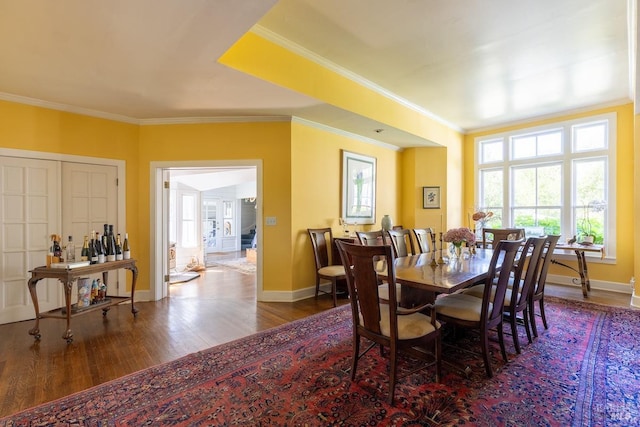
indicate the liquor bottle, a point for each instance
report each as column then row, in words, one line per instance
column 71, row 250
column 118, row 249
column 111, row 245
column 84, row 254
column 126, row 250
column 93, row 248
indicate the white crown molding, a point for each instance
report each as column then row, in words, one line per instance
column 66, row 108
column 215, row 119
column 305, row 53
column 344, row 133
column 563, row 113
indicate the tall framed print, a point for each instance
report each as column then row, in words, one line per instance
column 358, row 188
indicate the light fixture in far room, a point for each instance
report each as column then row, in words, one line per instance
column 378, row 130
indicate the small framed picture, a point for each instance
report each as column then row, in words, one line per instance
column 430, row 197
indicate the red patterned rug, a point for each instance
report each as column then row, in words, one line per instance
column 583, row 371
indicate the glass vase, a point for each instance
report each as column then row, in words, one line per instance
column 455, row 250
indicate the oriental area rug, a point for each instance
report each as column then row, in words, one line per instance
column 583, row 371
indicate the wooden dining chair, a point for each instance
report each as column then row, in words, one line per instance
column 322, row 241
column 537, row 294
column 386, row 324
column 424, row 239
column 372, row 238
column 401, row 242
column 486, row 313
column 519, row 289
column 498, row 234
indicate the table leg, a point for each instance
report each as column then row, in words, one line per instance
column 35, row 331
column 584, row 273
column 68, row 335
column 581, row 270
column 134, row 272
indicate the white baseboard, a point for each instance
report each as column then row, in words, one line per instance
column 623, row 288
column 297, row 295
column 635, row 299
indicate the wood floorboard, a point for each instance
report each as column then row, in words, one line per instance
column 218, row 307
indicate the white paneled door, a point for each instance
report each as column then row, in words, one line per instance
column 89, row 200
column 29, row 213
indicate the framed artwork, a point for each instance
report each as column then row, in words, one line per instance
column 430, row 197
column 358, row 188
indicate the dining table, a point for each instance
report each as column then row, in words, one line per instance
column 423, row 278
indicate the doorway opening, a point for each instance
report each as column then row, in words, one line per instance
column 200, row 219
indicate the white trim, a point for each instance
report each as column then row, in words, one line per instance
column 158, row 250
column 635, row 299
column 66, row 108
column 323, row 62
column 344, row 133
column 574, row 281
column 216, row 119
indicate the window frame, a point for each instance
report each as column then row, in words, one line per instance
column 566, row 159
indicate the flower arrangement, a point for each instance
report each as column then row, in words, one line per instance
column 482, row 217
column 459, row 235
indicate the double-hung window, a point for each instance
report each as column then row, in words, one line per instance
column 553, row 179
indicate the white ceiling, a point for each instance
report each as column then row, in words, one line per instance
column 472, row 64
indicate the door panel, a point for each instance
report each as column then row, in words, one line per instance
column 90, row 200
column 28, row 215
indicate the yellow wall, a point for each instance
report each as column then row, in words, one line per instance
column 316, row 159
column 231, row 141
column 625, row 219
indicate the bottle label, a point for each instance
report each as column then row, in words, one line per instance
column 101, row 259
column 111, row 258
column 126, row 255
column 119, row 257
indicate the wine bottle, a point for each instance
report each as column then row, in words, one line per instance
column 93, row 248
column 100, row 246
column 111, row 245
column 118, row 248
column 84, row 254
column 126, row 250
column 71, row 250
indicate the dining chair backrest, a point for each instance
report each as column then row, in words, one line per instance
column 372, row 238
column 547, row 255
column 526, row 272
column 424, row 239
column 321, row 241
column 402, row 242
column 362, row 283
column 498, row 234
column 498, row 276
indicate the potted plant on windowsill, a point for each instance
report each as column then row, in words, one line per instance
column 585, row 229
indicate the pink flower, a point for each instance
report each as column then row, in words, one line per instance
column 459, row 235
column 481, row 216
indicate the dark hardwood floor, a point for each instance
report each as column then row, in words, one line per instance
column 218, row 307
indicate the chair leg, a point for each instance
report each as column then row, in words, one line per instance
column 334, row 292
column 484, row 343
column 438, row 355
column 514, row 332
column 527, row 327
column 317, row 286
column 503, row 350
column 532, row 317
column 356, row 353
column 544, row 317
column 392, row 373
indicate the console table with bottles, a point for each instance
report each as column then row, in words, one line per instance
column 67, row 277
